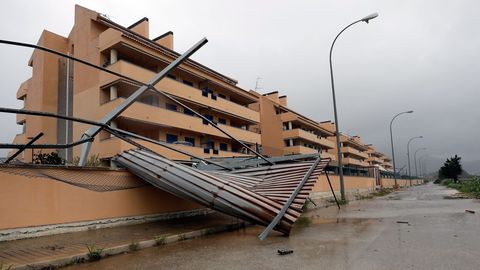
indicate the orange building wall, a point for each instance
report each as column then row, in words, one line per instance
column 30, row 202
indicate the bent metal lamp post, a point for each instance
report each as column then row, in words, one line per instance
column 337, row 133
column 391, row 142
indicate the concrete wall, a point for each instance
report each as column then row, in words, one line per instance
column 36, row 201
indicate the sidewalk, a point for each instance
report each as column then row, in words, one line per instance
column 70, row 248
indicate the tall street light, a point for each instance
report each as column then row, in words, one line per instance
column 408, row 154
column 415, row 159
column 391, row 142
column 337, row 128
column 421, row 167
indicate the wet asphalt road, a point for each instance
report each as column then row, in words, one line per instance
column 434, row 233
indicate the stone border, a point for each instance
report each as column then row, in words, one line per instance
column 37, row 231
column 120, row 249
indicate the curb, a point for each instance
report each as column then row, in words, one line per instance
column 83, row 257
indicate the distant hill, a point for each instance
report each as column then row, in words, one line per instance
column 472, row 167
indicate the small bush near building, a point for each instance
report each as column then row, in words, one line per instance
column 48, row 158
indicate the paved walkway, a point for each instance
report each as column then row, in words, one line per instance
column 69, row 248
column 416, row 228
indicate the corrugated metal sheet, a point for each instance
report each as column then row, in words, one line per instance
column 254, row 194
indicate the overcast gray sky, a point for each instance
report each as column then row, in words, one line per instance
column 419, row 55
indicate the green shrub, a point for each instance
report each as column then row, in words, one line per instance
column 48, row 158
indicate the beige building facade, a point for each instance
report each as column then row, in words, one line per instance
column 70, row 88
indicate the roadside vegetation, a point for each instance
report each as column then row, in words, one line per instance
column 471, row 186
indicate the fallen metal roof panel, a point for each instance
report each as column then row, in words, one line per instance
column 254, row 194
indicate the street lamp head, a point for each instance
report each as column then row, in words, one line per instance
column 411, row 111
column 421, row 137
column 370, row 17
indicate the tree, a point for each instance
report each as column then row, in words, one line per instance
column 451, row 169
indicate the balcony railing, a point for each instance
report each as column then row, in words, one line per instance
column 300, row 133
column 159, row 116
column 180, row 90
column 353, row 151
column 356, row 162
column 112, row 146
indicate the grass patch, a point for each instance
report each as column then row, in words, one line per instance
column 94, row 253
column 470, row 186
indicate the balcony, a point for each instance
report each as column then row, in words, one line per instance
column 300, row 133
column 110, row 147
column 180, row 90
column 162, row 117
column 20, row 118
column 22, row 90
column 353, row 151
column 375, row 160
column 298, row 149
column 356, row 162
column 293, row 117
column 20, row 138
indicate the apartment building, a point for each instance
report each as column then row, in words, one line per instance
column 354, row 151
column 286, row 132
column 66, row 87
column 386, row 163
column 374, row 157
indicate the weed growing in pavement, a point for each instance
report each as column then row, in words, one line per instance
column 4, row 267
column 74, row 261
column 133, row 246
column 342, row 202
column 94, row 253
column 182, row 237
column 302, row 221
column 160, row 240
column 382, row 192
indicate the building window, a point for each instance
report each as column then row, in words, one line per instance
column 189, row 83
column 172, row 138
column 205, row 92
column 214, row 97
column 222, row 121
column 209, row 117
column 223, row 147
column 171, row 76
column 190, row 140
column 188, row 112
column 171, row 107
column 222, row 96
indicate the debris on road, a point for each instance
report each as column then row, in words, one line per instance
column 403, row 222
column 470, row 211
column 284, row 251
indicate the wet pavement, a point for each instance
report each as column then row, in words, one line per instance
column 416, row 228
column 47, row 249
